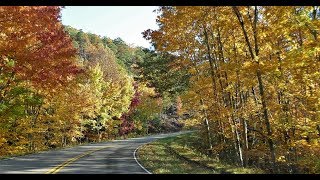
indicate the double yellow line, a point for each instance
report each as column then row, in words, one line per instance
column 69, row 161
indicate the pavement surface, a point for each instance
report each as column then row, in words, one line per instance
column 113, row 157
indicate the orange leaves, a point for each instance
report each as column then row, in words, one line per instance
column 34, row 38
column 37, row 62
column 252, row 64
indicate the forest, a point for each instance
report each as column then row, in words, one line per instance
column 60, row 86
column 246, row 77
column 254, row 81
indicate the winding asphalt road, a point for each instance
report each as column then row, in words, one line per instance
column 114, row 157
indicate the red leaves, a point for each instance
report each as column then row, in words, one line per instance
column 127, row 124
column 136, row 98
column 35, row 39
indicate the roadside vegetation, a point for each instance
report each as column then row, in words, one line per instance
column 246, row 77
column 254, row 86
column 183, row 155
column 60, row 86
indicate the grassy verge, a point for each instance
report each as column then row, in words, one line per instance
column 176, row 155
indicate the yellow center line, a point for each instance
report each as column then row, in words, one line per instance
column 69, row 161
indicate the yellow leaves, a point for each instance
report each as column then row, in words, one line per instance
column 138, row 125
column 302, row 143
column 281, row 159
column 256, row 58
column 268, row 47
column 282, row 85
column 203, row 107
column 145, row 90
column 247, row 64
column 286, row 54
column 2, row 141
column 192, row 122
column 192, row 71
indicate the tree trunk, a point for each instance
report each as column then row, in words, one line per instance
column 206, row 122
column 204, row 112
column 245, row 141
column 210, row 61
column 259, row 76
column 238, row 141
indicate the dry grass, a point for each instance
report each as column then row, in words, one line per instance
column 174, row 155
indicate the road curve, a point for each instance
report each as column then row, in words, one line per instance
column 114, row 157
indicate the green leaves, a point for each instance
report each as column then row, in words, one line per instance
column 3, row 108
column 158, row 70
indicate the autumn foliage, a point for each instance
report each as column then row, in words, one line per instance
column 61, row 86
column 49, row 96
column 247, row 77
column 35, row 41
column 254, row 89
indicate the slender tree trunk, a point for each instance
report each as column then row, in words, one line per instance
column 210, row 62
column 238, row 141
column 254, row 95
column 233, row 135
column 35, row 111
column 204, row 112
column 266, row 118
column 259, row 76
column 245, row 141
column 206, row 122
